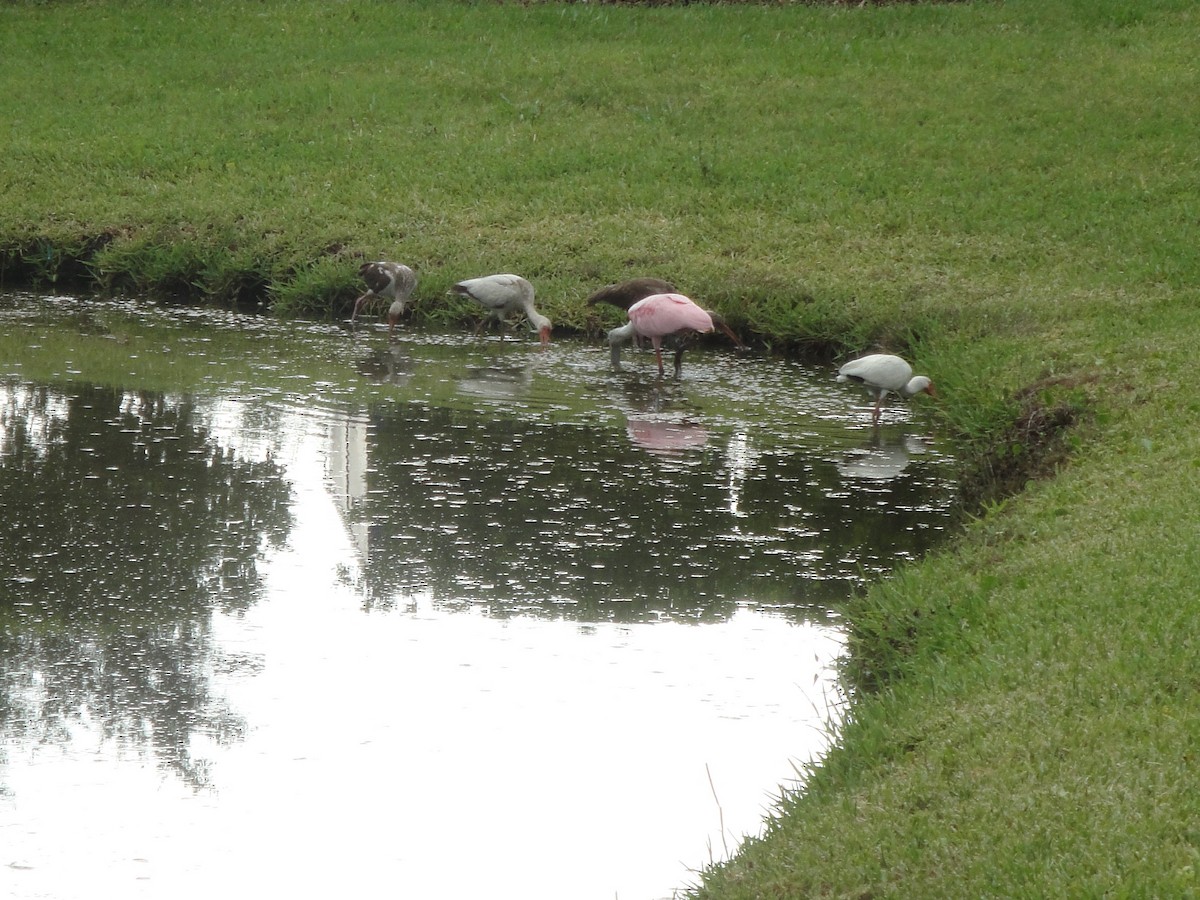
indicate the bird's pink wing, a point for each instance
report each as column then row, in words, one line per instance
column 663, row 314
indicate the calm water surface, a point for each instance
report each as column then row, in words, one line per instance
column 294, row 611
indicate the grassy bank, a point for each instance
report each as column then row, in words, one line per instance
column 1005, row 192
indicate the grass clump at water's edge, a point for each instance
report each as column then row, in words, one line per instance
column 1005, row 192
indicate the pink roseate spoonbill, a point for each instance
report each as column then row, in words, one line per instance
column 880, row 373
column 624, row 294
column 386, row 279
column 502, row 295
column 656, row 317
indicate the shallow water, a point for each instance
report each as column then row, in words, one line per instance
column 291, row 609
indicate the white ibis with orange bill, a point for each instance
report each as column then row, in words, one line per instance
column 881, row 373
column 503, row 295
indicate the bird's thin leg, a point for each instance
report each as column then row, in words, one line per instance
column 658, row 356
column 358, row 304
column 678, row 361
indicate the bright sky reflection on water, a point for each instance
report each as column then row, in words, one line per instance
column 383, row 721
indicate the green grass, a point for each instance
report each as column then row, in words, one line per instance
column 755, row 154
column 1007, row 192
column 1035, row 735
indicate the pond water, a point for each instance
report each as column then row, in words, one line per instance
column 286, row 610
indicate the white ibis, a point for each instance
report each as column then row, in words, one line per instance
column 882, row 372
column 502, row 295
column 387, row 279
column 656, row 317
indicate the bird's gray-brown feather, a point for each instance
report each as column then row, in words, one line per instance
column 626, row 293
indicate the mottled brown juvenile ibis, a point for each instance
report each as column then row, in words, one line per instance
column 624, row 294
column 880, row 373
column 386, row 279
column 502, row 295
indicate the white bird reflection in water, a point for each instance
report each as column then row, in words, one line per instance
column 497, row 382
column 387, row 365
column 883, row 458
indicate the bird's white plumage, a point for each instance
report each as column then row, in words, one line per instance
column 880, row 373
column 502, row 295
column 499, row 293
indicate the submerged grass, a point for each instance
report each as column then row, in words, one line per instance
column 1005, row 192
